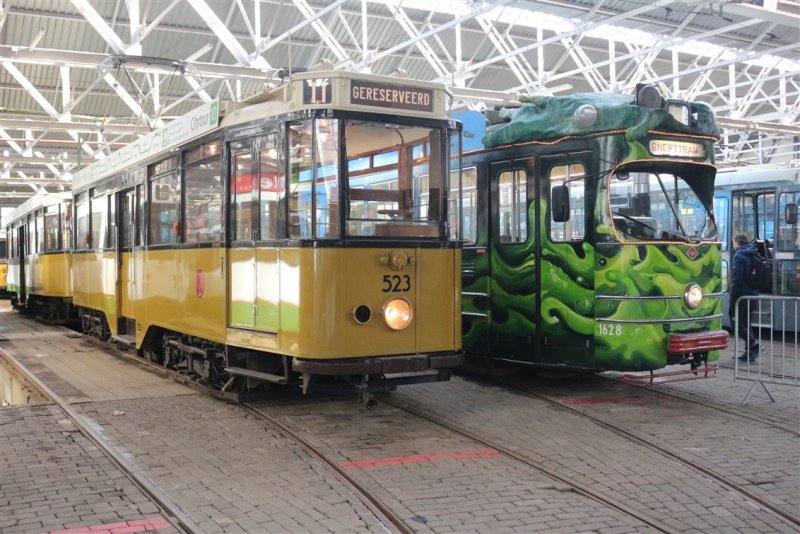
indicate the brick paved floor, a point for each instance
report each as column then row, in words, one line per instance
column 228, row 471
column 676, row 494
column 454, row 491
column 233, row 473
column 52, row 478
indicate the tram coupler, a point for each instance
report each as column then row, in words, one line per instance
column 369, row 400
column 365, row 396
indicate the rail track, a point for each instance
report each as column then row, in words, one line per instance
column 387, row 517
column 713, row 406
column 170, row 511
column 576, row 486
column 375, row 505
column 791, row 519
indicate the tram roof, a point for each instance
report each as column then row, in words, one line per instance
column 314, row 89
column 40, row 200
column 553, row 117
column 757, row 175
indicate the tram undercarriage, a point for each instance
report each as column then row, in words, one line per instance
column 248, row 374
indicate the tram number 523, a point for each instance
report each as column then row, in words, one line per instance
column 395, row 283
column 610, row 329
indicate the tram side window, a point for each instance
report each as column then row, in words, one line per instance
column 165, row 202
column 744, row 215
column 51, row 228
column 272, row 182
column 99, row 222
column 326, row 178
column 203, row 183
column 573, row 176
column 242, row 177
column 454, row 199
column 30, row 245
column 65, row 225
column 83, row 238
column 788, row 238
column 766, row 216
column 512, row 206
column 469, row 202
column 40, row 232
column 721, row 209
column 138, row 176
column 300, row 180
column 128, row 210
column 111, row 235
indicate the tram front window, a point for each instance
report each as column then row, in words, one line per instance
column 659, row 206
column 395, row 179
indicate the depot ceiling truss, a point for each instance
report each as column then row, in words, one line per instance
column 539, row 59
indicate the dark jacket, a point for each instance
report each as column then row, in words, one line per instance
column 741, row 264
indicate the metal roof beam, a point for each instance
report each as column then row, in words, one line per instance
column 578, row 29
column 226, row 37
column 89, row 60
column 593, row 77
column 100, row 26
column 504, row 47
column 134, row 106
column 475, row 10
column 40, row 99
column 420, row 43
column 327, row 37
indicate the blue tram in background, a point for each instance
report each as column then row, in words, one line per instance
column 762, row 202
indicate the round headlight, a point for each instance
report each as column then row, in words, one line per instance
column 693, row 296
column 397, row 313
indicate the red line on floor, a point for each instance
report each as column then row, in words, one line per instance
column 418, row 458
column 123, row 527
column 611, row 400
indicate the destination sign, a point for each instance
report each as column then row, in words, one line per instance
column 390, row 96
column 680, row 149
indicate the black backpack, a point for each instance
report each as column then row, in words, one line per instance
column 759, row 274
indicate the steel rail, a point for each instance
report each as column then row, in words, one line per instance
column 173, row 512
column 651, row 387
column 381, row 511
column 722, row 479
column 375, row 505
column 579, row 487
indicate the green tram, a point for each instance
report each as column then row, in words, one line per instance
column 590, row 241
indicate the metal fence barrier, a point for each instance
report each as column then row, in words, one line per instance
column 774, row 324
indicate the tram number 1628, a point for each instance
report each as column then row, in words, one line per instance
column 610, row 329
column 395, row 283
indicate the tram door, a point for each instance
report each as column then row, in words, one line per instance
column 242, row 254
column 566, row 261
column 513, row 297
column 256, row 190
column 126, row 260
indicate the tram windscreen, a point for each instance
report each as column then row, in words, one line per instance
column 395, row 178
column 660, row 206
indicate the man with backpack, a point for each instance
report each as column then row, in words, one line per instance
column 743, row 255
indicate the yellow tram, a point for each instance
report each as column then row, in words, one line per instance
column 309, row 234
column 39, row 259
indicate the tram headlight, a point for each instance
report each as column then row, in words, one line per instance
column 693, row 296
column 398, row 314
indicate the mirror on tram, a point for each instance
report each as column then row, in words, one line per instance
column 790, row 213
column 559, row 203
